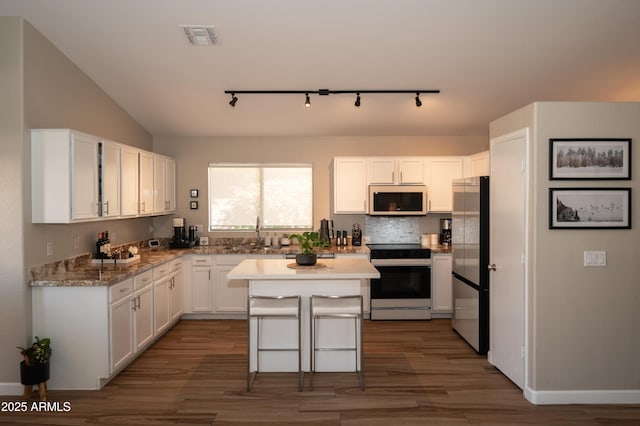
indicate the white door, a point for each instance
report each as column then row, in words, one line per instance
column 508, row 253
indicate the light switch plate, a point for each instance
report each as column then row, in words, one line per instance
column 595, row 258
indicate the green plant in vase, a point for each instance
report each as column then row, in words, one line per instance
column 310, row 244
column 34, row 368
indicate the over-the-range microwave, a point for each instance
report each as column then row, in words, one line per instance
column 397, row 200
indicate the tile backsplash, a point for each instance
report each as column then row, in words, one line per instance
column 393, row 230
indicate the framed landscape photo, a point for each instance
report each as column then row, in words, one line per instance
column 594, row 208
column 594, row 159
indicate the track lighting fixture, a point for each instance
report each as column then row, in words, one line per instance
column 324, row 92
column 233, row 100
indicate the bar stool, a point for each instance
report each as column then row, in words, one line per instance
column 322, row 307
column 260, row 307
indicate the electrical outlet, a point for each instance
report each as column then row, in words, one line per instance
column 113, row 237
column 199, row 228
column 595, row 258
column 76, row 243
column 49, row 248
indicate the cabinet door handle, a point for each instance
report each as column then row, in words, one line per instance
column 106, row 211
column 491, row 266
column 209, row 274
column 139, row 302
column 401, row 177
column 133, row 304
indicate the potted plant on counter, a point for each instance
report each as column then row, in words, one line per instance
column 34, row 369
column 309, row 243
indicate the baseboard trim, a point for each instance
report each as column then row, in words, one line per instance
column 11, row 389
column 582, row 397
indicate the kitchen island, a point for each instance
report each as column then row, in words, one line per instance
column 282, row 277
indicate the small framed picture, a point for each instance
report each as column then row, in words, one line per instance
column 593, row 159
column 194, row 193
column 194, row 205
column 593, row 208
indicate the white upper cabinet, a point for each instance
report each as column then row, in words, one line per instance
column 64, row 176
column 145, row 183
column 479, row 164
column 77, row 177
column 164, row 187
column 391, row 171
column 350, row 186
column 159, row 183
column 129, row 182
column 170, row 186
column 110, row 158
column 441, row 171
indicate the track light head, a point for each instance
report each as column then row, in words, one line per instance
column 233, row 100
column 418, row 101
column 357, row 103
column 307, row 101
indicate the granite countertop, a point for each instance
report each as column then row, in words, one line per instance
column 80, row 272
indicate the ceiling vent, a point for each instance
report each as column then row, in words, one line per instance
column 199, row 35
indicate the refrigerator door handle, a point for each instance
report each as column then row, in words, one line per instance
column 491, row 266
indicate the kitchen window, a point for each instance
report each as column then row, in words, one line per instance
column 280, row 194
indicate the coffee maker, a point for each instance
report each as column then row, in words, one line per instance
column 180, row 237
column 445, row 232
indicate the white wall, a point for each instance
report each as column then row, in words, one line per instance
column 42, row 88
column 15, row 298
column 583, row 330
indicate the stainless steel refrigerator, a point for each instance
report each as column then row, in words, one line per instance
column 470, row 243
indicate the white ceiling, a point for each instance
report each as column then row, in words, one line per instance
column 488, row 57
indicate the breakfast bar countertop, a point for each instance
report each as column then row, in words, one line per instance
column 286, row 269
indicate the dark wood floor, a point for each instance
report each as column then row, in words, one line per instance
column 417, row 373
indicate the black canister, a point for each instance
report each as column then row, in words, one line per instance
column 356, row 235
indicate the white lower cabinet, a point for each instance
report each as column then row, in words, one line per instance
column 365, row 285
column 230, row 295
column 121, row 324
column 143, row 310
column 176, row 296
column 161, row 303
column 207, row 291
column 166, row 294
column 441, row 284
column 112, row 324
column 198, row 291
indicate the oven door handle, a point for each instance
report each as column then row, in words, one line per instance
column 401, row 262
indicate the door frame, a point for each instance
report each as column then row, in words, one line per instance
column 523, row 133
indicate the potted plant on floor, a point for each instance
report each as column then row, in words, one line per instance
column 310, row 244
column 34, row 369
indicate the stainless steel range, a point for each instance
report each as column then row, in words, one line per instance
column 403, row 291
